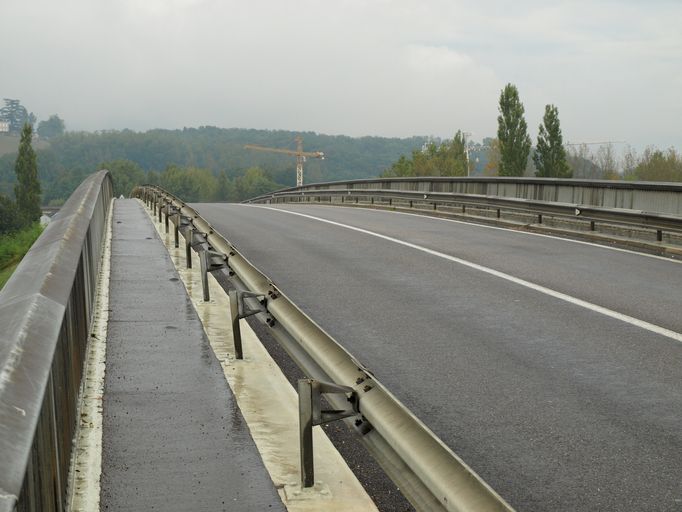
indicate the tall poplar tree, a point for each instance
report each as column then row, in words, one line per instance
column 550, row 155
column 27, row 187
column 512, row 133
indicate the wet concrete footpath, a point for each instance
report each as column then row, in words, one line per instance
column 173, row 436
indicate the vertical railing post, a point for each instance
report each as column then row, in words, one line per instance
column 188, row 246
column 176, row 230
column 203, row 260
column 236, row 329
column 305, row 421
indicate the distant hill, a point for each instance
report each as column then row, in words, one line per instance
column 10, row 144
column 72, row 156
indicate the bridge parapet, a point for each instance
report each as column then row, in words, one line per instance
column 45, row 314
column 657, row 197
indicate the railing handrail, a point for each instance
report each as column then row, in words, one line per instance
column 46, row 306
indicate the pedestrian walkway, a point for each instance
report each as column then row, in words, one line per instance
column 173, row 436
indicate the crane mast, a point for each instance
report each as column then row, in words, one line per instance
column 299, row 154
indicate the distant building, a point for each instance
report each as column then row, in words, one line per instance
column 4, row 127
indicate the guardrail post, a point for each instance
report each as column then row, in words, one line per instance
column 176, row 230
column 236, row 329
column 188, row 245
column 539, row 218
column 203, row 261
column 659, row 235
column 210, row 260
column 310, row 413
column 305, row 423
column 239, row 310
column 160, row 211
column 498, row 213
column 591, row 225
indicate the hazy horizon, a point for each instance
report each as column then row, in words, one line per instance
column 390, row 68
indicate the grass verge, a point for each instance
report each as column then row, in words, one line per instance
column 13, row 247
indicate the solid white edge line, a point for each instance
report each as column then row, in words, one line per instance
column 547, row 291
column 472, row 223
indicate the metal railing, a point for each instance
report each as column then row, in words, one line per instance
column 387, row 197
column 45, row 315
column 430, row 475
column 659, row 197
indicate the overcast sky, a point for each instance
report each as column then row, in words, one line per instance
column 383, row 67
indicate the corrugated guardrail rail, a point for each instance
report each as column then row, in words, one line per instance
column 432, row 193
column 45, row 314
column 430, row 475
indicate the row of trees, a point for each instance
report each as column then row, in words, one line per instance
column 192, row 183
column 508, row 154
column 25, row 210
column 69, row 158
column 446, row 159
column 514, row 143
column 512, row 153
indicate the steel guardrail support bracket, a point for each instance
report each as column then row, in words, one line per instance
column 310, row 413
column 210, row 261
column 239, row 310
column 182, row 224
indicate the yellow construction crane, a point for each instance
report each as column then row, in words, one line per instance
column 299, row 154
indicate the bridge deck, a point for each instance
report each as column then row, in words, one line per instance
column 174, row 438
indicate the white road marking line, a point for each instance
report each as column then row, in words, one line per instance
column 511, row 230
column 657, row 329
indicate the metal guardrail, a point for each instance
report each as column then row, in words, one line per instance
column 659, row 197
column 430, row 475
column 431, row 200
column 45, row 315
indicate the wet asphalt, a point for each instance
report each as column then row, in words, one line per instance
column 555, row 405
column 173, row 436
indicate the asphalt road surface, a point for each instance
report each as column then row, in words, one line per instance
column 552, row 367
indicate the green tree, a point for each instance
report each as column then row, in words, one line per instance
column 125, row 175
column 53, row 127
column 403, row 167
column 656, row 165
column 512, row 133
column 27, row 187
column 189, row 183
column 255, row 182
column 226, row 191
column 9, row 217
column 550, row 155
column 446, row 159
